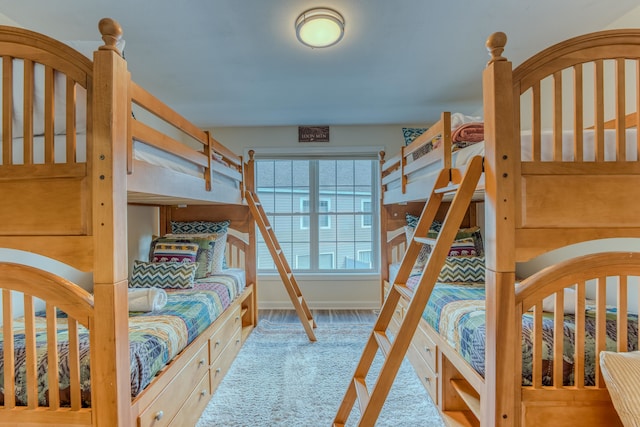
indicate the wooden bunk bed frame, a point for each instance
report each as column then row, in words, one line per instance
column 75, row 212
column 532, row 207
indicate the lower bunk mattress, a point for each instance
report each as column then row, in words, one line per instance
column 457, row 313
column 155, row 337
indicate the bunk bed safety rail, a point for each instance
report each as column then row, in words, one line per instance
column 177, row 136
column 594, row 105
column 571, row 298
column 404, row 163
column 30, row 342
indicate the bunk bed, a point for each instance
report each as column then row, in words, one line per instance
column 561, row 164
column 80, row 143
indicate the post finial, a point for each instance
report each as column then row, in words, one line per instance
column 495, row 45
column 111, row 33
column 251, row 154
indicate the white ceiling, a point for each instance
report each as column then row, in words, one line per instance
column 238, row 63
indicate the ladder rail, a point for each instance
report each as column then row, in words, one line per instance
column 464, row 187
column 284, row 270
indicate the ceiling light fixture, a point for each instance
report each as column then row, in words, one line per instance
column 320, row 27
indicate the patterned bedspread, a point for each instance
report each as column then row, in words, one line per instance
column 457, row 313
column 155, row 337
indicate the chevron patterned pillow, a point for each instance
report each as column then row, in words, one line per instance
column 463, row 269
column 167, row 275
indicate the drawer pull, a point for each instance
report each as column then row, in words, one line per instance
column 218, row 371
column 201, row 362
column 428, row 380
column 203, row 393
column 237, row 318
column 427, row 349
column 237, row 341
column 159, row 415
column 217, row 343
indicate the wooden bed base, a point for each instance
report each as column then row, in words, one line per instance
column 74, row 211
column 535, row 203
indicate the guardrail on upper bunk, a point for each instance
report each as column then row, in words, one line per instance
column 433, row 147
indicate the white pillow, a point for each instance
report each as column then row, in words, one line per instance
column 548, row 304
column 621, row 372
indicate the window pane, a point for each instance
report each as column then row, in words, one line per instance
column 324, row 228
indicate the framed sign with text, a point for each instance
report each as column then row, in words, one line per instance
column 313, row 133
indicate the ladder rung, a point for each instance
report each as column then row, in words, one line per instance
column 362, row 393
column 404, row 290
column 468, row 394
column 448, row 189
column 425, row 240
column 383, row 343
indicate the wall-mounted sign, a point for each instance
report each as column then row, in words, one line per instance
column 313, row 133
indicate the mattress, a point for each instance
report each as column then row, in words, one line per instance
column 457, row 313
column 155, row 338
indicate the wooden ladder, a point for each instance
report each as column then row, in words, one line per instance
column 450, row 181
column 282, row 265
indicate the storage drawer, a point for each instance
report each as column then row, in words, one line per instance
column 426, row 348
column 167, row 404
column 195, row 404
column 221, row 337
column 221, row 365
column 427, row 376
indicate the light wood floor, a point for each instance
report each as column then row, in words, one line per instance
column 321, row 316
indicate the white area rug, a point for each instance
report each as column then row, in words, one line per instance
column 280, row 378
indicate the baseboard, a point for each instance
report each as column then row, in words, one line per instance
column 322, row 305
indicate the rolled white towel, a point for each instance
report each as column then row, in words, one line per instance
column 147, row 299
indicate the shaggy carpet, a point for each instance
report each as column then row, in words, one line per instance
column 280, row 378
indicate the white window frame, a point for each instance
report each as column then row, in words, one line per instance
column 366, row 215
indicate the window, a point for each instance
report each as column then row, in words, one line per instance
column 321, row 211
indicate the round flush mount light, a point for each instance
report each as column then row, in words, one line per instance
column 320, row 27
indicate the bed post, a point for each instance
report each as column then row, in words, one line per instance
column 110, row 369
column 384, row 249
column 250, row 255
column 502, row 407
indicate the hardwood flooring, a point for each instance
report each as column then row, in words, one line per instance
column 321, row 316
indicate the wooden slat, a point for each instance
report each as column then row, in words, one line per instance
column 151, row 136
column 74, row 365
column 7, row 110
column 52, row 357
column 536, row 123
column 601, row 324
column 8, row 349
column 30, row 348
column 27, row 117
column 558, row 339
column 637, row 113
column 49, row 114
column 578, row 115
column 620, row 84
column 599, row 110
column 557, row 116
column 71, row 121
column 537, row 345
column 578, row 359
column 622, row 314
